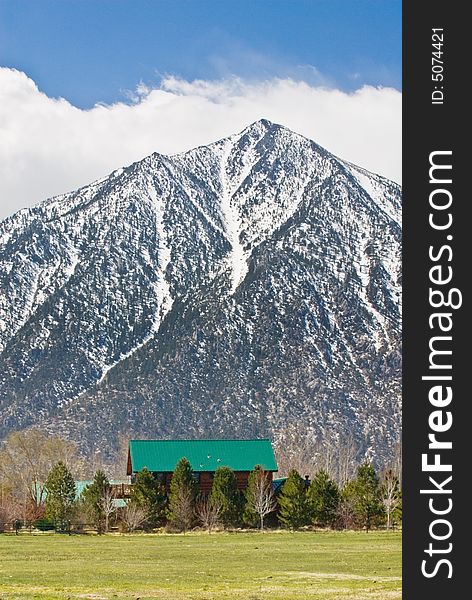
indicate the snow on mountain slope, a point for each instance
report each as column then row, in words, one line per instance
column 236, row 288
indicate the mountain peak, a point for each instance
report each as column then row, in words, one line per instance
column 229, row 290
column 263, row 124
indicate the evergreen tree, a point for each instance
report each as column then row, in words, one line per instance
column 365, row 492
column 224, row 494
column 182, row 496
column 149, row 495
column 92, row 498
column 60, row 499
column 323, row 496
column 294, row 502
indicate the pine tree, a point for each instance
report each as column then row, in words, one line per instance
column 224, row 494
column 92, row 498
column 365, row 491
column 323, row 496
column 149, row 495
column 182, row 496
column 294, row 502
column 60, row 499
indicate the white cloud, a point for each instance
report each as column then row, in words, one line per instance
column 48, row 146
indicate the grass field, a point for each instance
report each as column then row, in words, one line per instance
column 198, row 566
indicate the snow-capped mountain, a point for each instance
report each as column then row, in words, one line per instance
column 226, row 291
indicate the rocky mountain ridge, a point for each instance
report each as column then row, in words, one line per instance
column 231, row 290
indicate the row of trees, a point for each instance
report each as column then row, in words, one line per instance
column 364, row 502
column 37, row 470
column 339, row 455
column 150, row 505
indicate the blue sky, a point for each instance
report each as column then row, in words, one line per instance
column 93, row 51
column 88, row 86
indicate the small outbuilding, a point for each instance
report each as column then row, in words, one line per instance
column 160, row 457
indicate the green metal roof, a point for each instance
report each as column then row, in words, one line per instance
column 204, row 455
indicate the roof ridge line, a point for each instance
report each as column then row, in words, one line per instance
column 206, row 440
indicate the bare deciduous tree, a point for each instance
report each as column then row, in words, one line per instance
column 348, row 460
column 108, row 505
column 295, row 450
column 345, row 513
column 10, row 508
column 185, row 508
column 115, row 463
column 262, row 500
column 133, row 516
column 208, row 512
column 390, row 494
column 308, row 454
column 397, row 461
column 26, row 459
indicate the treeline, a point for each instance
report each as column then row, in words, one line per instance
column 340, row 455
column 38, row 489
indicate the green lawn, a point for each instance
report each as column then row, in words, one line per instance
column 199, row 566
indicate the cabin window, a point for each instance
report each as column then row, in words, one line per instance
column 196, row 477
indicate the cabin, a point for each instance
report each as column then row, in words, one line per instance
column 160, row 457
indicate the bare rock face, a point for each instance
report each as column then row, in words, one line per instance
column 228, row 291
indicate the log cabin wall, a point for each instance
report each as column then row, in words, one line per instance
column 242, row 478
column 205, row 480
column 205, row 483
